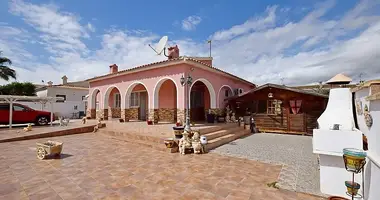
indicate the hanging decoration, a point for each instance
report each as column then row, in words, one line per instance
column 277, row 106
column 359, row 107
column 367, row 117
column 295, row 105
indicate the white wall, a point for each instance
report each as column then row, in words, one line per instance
column 64, row 109
column 372, row 168
column 72, row 94
column 42, row 93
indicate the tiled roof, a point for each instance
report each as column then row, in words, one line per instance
column 74, row 85
column 166, row 61
column 279, row 87
column 365, row 85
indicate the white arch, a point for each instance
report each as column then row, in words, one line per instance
column 107, row 95
column 129, row 91
column 210, row 90
column 156, row 90
column 220, row 89
column 93, row 97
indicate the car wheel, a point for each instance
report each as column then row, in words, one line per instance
column 42, row 120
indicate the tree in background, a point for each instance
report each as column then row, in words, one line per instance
column 20, row 89
column 5, row 71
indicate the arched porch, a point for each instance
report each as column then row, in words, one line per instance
column 137, row 102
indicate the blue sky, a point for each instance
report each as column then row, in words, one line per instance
column 300, row 42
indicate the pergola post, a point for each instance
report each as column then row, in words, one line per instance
column 51, row 113
column 11, row 99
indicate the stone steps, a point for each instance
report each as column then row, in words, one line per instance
column 146, row 142
column 219, row 141
column 220, row 133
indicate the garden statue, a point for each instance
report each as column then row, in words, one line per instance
column 28, row 128
column 63, row 122
column 196, row 143
column 233, row 118
column 184, row 142
column 84, row 119
column 228, row 119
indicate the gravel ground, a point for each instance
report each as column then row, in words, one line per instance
column 300, row 170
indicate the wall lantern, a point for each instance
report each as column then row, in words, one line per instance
column 270, row 95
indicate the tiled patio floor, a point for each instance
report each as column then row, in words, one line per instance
column 95, row 167
column 18, row 131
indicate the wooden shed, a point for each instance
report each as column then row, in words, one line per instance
column 281, row 109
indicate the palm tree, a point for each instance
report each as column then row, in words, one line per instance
column 5, row 71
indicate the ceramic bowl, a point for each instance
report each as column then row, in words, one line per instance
column 352, row 187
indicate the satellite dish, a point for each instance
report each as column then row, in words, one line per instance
column 160, row 45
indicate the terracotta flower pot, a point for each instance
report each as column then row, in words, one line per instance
column 354, row 159
column 352, row 187
column 337, row 198
column 169, row 143
column 149, row 122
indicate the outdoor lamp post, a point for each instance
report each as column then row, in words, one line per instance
column 186, row 82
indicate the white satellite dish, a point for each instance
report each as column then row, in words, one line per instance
column 160, row 45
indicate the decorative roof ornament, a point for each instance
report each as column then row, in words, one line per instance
column 339, row 79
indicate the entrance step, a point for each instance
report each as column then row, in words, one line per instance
column 233, row 135
column 146, row 141
column 223, row 132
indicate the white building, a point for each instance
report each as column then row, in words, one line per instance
column 73, row 93
column 357, row 112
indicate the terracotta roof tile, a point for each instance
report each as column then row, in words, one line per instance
column 167, row 61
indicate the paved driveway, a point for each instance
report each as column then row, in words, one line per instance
column 95, row 167
column 300, row 171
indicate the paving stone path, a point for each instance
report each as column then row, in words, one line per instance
column 95, row 167
column 300, row 170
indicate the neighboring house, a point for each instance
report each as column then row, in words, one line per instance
column 154, row 91
column 281, row 109
column 73, row 93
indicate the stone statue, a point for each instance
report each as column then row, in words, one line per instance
column 228, row 119
column 184, row 142
column 233, row 118
column 196, row 143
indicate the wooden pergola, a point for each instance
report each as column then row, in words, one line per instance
column 43, row 100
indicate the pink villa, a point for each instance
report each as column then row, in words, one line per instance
column 154, row 91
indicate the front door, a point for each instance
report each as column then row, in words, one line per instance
column 143, row 106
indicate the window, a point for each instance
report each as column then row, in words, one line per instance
column 83, row 98
column 75, row 107
column 19, row 108
column 134, row 99
column 117, row 100
column 271, row 110
column 269, row 107
column 4, row 107
column 64, row 98
column 226, row 93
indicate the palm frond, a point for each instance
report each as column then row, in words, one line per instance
column 4, row 60
column 6, row 73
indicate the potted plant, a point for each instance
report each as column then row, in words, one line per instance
column 149, row 121
column 169, row 142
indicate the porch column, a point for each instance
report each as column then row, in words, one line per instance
column 181, row 104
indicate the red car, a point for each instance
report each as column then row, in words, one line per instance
column 23, row 114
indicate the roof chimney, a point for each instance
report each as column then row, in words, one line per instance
column 173, row 52
column 114, row 69
column 50, row 83
column 64, row 79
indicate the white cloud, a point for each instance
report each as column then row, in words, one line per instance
column 261, row 50
column 253, row 24
column 90, row 27
column 191, row 22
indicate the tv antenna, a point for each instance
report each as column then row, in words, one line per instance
column 160, row 46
